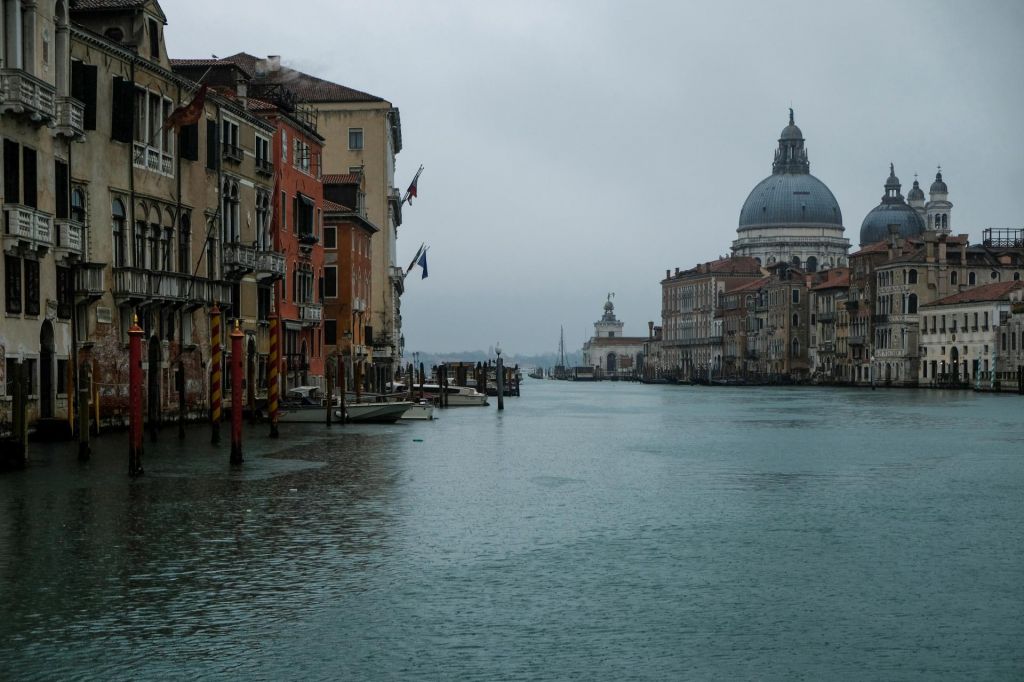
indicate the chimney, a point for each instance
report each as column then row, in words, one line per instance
column 273, row 63
column 668, row 273
column 963, row 253
column 677, row 271
column 650, row 330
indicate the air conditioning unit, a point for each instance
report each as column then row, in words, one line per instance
column 359, row 305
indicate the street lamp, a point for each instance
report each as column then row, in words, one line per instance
column 499, row 376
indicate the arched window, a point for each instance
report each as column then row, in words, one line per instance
column 796, row 261
column 953, row 278
column 912, row 277
column 120, row 230
column 796, row 348
column 184, row 243
column 972, row 279
column 812, row 264
column 912, row 304
column 796, row 319
column 1016, row 276
column 994, row 276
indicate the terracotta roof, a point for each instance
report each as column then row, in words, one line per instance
column 254, row 104
column 749, row 286
column 877, row 247
column 342, row 179
column 332, row 206
column 207, row 63
column 834, row 278
column 1000, row 291
column 305, row 87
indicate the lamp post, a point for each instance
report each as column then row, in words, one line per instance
column 871, row 372
column 499, row 376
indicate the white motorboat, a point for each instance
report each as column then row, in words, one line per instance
column 423, row 409
column 380, row 413
column 458, row 396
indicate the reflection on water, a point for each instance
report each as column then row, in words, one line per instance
column 600, row 531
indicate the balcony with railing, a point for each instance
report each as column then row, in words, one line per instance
column 827, row 317
column 90, row 281
column 270, row 265
column 69, row 236
column 27, row 228
column 151, row 158
column 131, row 283
column 856, row 340
column 311, row 313
column 21, row 93
column 232, row 152
column 264, row 167
column 238, row 259
column 70, row 120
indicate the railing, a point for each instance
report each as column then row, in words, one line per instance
column 264, row 167
column 28, row 225
column 270, row 264
column 152, row 159
column 238, row 257
column 70, row 118
column 880, row 319
column 826, row 317
column 131, row 283
column 69, row 237
column 856, row 340
column 90, row 281
column 23, row 93
column 232, row 152
column 311, row 312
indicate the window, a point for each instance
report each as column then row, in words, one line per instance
column 83, row 88
column 154, row 39
column 185, row 244
column 28, row 184
column 78, row 204
column 912, row 304
column 188, row 142
column 65, row 293
column 264, row 164
column 31, row 287
column 12, row 172
column 284, row 147
column 952, row 278
column 229, row 211
column 912, row 277
column 212, row 145
column 796, row 319
column 355, row 138
column 330, row 281
column 122, row 112
column 62, row 190
column 120, row 233
column 62, row 376
column 263, row 240
column 229, row 141
column 331, row 332
column 139, row 241
column 972, row 279
column 263, row 295
column 301, row 157
column 796, row 295
column 12, row 284
column 153, row 145
column 330, row 237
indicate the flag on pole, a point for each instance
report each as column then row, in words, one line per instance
column 422, row 262
column 411, row 192
column 187, row 114
column 416, row 258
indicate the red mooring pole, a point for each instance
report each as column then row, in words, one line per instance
column 236, row 394
column 273, row 384
column 216, row 376
column 135, row 334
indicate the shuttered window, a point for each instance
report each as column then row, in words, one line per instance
column 122, row 115
column 12, row 172
column 212, row 148
column 83, row 88
column 28, row 169
column 188, row 138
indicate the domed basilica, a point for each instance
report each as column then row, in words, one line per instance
column 791, row 215
column 910, row 218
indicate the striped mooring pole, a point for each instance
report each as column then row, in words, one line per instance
column 216, row 373
column 273, row 383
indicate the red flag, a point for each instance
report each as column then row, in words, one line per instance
column 411, row 192
column 187, row 114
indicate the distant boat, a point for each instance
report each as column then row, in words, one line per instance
column 379, row 413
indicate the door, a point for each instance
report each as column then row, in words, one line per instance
column 46, row 384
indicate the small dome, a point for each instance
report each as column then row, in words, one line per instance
column 875, row 227
column 791, row 132
column 915, row 193
column 939, row 186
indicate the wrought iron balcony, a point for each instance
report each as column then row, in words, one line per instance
column 90, row 281
column 70, row 118
column 270, row 265
column 311, row 313
column 27, row 228
column 232, row 152
column 21, row 93
column 238, row 259
column 69, row 239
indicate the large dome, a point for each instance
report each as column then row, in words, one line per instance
column 790, row 199
column 892, row 211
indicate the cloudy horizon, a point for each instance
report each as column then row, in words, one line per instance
column 572, row 150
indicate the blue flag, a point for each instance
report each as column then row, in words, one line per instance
column 422, row 262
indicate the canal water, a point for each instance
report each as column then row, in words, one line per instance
column 590, row 531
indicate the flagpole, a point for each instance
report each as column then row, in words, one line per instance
column 412, row 184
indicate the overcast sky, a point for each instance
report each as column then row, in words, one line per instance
column 578, row 148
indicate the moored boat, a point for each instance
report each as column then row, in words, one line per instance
column 456, row 396
column 378, row 413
